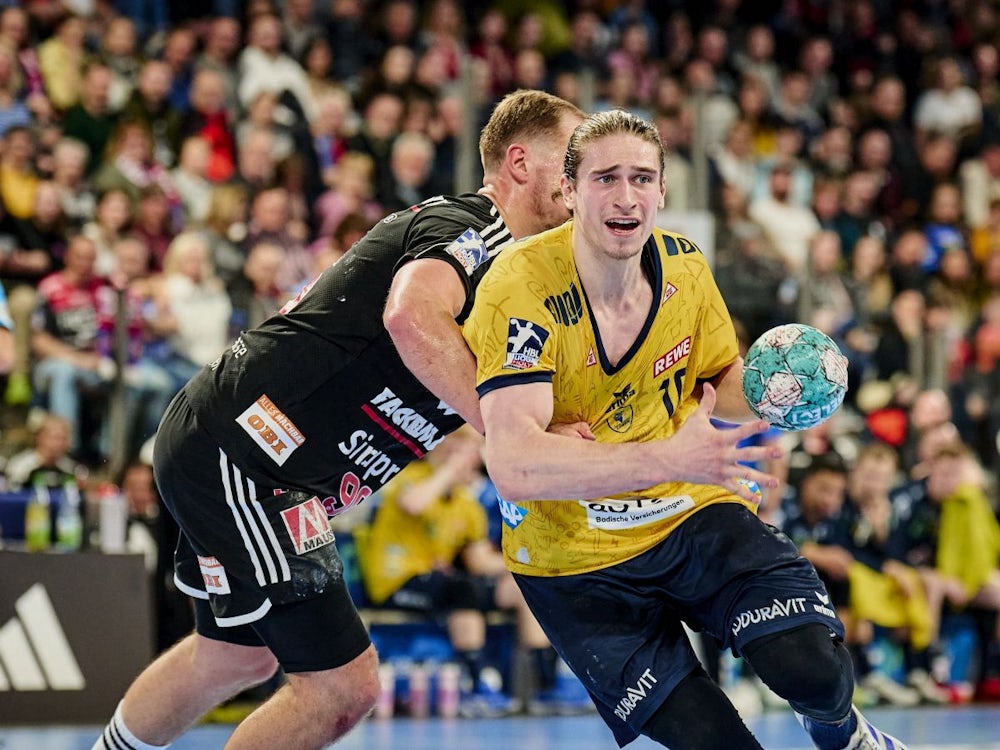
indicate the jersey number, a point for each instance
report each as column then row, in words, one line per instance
column 670, row 402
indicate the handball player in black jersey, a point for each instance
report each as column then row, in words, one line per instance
column 306, row 416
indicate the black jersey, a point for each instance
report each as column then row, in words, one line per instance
column 317, row 398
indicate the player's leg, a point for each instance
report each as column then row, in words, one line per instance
column 811, row 669
column 180, row 687
column 697, row 715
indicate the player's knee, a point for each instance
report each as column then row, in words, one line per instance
column 808, row 668
column 356, row 686
column 239, row 665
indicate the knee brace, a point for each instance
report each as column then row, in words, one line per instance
column 808, row 667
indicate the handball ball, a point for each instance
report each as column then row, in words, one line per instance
column 794, row 376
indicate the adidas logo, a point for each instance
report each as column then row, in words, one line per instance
column 34, row 652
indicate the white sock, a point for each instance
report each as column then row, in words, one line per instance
column 116, row 736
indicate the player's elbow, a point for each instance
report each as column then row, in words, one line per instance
column 513, row 482
column 399, row 321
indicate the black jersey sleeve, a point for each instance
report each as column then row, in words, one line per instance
column 466, row 232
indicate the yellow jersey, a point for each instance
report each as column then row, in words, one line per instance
column 531, row 322
column 399, row 546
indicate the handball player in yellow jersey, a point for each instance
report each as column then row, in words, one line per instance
column 615, row 541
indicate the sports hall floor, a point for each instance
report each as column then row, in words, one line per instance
column 965, row 728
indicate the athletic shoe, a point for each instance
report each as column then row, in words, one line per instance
column 930, row 692
column 486, row 702
column 865, row 737
column 890, row 691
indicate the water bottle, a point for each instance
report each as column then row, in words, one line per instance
column 38, row 517
column 448, row 690
column 385, row 706
column 113, row 519
column 69, row 522
column 419, row 698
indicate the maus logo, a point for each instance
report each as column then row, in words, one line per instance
column 34, row 652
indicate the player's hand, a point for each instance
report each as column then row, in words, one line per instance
column 573, row 430
column 702, row 453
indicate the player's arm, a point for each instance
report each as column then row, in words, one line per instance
column 731, row 405
column 528, row 463
column 426, row 297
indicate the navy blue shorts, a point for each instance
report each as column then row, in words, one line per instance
column 723, row 571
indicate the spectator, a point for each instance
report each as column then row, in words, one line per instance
column 192, row 309
column 61, row 60
column 788, row 226
column 263, row 66
column 317, row 62
column 380, row 125
column 69, row 169
column 884, row 590
column 131, row 164
column 13, row 109
column 120, row 52
column 950, row 108
column 218, row 54
column 411, row 163
column 352, row 191
column 300, row 27
column 979, row 180
column 329, row 129
column 262, row 114
column 91, row 119
column 18, row 178
column 190, row 177
column 48, row 459
column 255, row 164
column 152, row 532
column 255, row 295
column 153, row 223
column 902, row 335
column 491, row 47
column 225, row 227
column 147, row 385
column 270, row 212
column 149, row 104
column 65, row 340
column 968, row 554
column 178, row 52
column 755, row 61
column 944, row 229
column 208, row 118
column 112, row 219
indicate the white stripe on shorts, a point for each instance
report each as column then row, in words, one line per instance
column 243, row 498
column 238, row 516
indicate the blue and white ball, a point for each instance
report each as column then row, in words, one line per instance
column 794, row 376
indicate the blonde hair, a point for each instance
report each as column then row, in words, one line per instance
column 521, row 115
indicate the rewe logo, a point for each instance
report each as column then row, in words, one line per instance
column 34, row 652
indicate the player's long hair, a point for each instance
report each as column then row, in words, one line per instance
column 602, row 124
column 521, row 115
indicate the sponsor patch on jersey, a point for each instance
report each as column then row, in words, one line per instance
column 268, row 426
column 591, row 358
column 214, row 575
column 627, row 514
column 511, row 514
column 672, row 356
column 308, row 526
column 469, row 250
column 524, row 344
column 668, row 291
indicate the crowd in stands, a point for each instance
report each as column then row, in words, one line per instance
column 172, row 172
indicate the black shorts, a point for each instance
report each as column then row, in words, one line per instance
column 723, row 571
column 439, row 593
column 257, row 554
